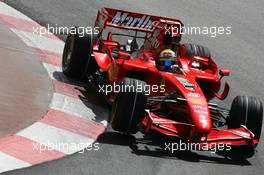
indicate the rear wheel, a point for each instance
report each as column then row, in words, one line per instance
column 246, row 111
column 199, row 50
column 77, row 60
column 129, row 107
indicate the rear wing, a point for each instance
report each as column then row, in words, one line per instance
column 130, row 20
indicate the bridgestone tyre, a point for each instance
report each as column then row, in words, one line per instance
column 246, row 111
column 199, row 50
column 128, row 107
column 77, row 61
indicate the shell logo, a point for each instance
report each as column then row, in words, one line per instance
column 196, row 101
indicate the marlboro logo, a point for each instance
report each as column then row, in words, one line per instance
column 128, row 20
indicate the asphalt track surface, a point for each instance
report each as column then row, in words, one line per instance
column 241, row 52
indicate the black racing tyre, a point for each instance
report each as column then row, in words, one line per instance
column 76, row 60
column 128, row 107
column 199, row 50
column 246, row 111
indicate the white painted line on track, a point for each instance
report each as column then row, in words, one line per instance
column 40, row 42
column 70, row 105
column 51, row 69
column 79, row 108
column 58, row 139
column 11, row 163
column 55, row 73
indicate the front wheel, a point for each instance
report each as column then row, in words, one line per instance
column 129, row 106
column 247, row 111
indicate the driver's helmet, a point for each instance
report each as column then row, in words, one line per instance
column 167, row 58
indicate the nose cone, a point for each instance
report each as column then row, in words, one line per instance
column 198, row 110
column 203, row 124
column 200, row 115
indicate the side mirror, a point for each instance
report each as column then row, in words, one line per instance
column 109, row 36
column 224, row 72
column 124, row 55
column 120, row 54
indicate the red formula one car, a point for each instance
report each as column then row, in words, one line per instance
column 175, row 101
